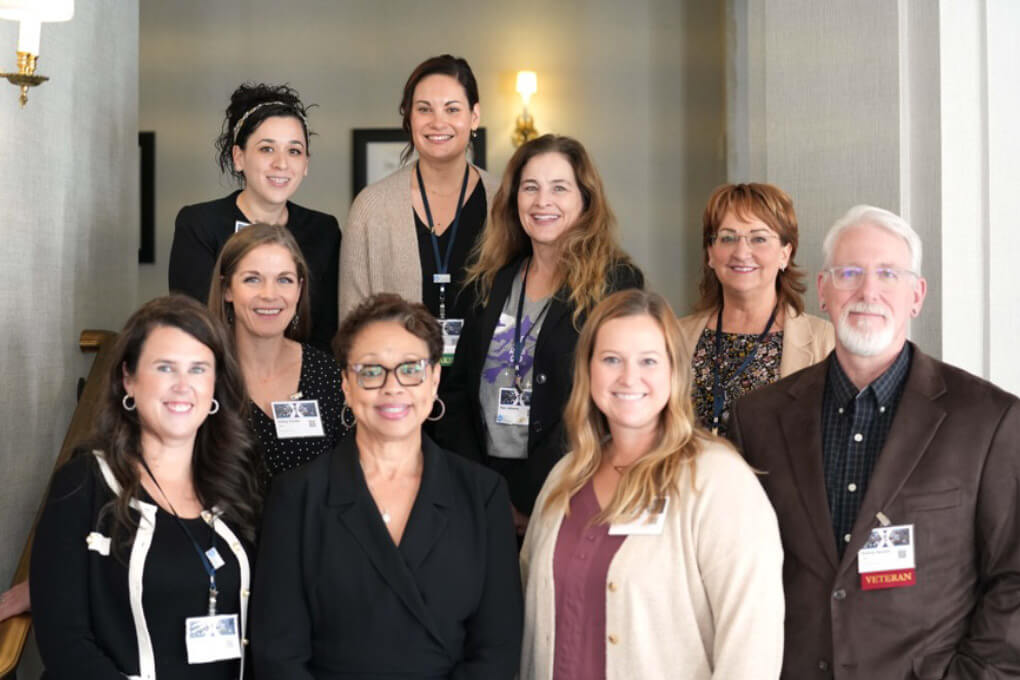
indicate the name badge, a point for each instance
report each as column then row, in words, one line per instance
column 887, row 559
column 212, row 638
column 441, row 278
column 296, row 419
column 649, row 523
column 451, row 335
column 514, row 406
column 239, row 225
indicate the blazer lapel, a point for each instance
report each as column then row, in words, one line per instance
column 358, row 513
column 802, row 430
column 914, row 426
column 428, row 516
column 797, row 338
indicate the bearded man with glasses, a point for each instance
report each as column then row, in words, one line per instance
column 894, row 477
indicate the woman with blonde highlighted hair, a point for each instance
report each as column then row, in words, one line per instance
column 653, row 551
column 548, row 257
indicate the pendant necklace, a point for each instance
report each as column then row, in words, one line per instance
column 385, row 516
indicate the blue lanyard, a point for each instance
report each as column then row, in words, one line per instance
column 718, row 388
column 442, row 276
column 209, row 569
column 518, row 348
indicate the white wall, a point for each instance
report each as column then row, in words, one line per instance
column 639, row 83
column 69, row 195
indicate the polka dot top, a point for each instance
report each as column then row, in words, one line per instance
column 320, row 379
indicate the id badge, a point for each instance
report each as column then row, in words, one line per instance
column 441, row 278
column 297, row 419
column 239, row 225
column 887, row 559
column 514, row 406
column 649, row 523
column 212, row 638
column 213, row 555
column 451, row 334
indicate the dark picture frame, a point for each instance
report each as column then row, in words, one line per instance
column 147, row 197
column 376, row 153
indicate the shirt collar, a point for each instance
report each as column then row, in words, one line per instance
column 884, row 387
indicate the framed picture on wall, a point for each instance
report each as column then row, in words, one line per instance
column 377, row 154
column 147, row 197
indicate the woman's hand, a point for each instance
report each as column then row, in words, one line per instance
column 16, row 601
column 520, row 520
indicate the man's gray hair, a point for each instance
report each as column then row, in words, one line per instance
column 869, row 214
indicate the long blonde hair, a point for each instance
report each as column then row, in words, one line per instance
column 589, row 249
column 679, row 442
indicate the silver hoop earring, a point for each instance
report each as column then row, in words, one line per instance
column 442, row 411
column 343, row 418
column 126, row 405
column 215, row 407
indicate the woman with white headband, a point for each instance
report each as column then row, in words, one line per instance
column 264, row 146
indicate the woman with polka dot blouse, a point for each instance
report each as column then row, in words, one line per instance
column 260, row 288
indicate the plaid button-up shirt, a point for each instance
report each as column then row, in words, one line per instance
column 855, row 425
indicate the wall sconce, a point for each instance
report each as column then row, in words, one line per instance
column 30, row 14
column 527, row 84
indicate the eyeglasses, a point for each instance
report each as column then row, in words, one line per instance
column 851, row 278
column 373, row 376
column 756, row 240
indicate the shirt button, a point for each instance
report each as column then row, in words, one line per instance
column 245, row 592
column 881, row 409
column 823, row 665
column 540, row 378
column 839, row 594
column 858, row 437
column 612, row 587
column 840, row 410
column 851, row 487
column 846, row 538
column 613, row 639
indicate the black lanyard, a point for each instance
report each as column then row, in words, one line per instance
column 442, row 275
column 518, row 348
column 718, row 388
column 209, row 569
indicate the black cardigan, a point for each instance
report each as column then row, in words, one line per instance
column 462, row 429
column 335, row 597
column 202, row 229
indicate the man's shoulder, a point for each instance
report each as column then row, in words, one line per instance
column 956, row 387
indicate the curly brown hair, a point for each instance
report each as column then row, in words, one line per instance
column 413, row 316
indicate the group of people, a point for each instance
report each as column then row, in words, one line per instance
column 516, row 460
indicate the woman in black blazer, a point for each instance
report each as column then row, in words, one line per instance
column 264, row 147
column 388, row 557
column 548, row 257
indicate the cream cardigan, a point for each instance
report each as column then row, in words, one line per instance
column 807, row 339
column 702, row 600
column 379, row 250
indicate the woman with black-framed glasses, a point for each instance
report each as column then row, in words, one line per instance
column 388, row 556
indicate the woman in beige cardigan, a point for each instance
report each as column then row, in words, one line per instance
column 653, row 551
column 411, row 233
column 749, row 328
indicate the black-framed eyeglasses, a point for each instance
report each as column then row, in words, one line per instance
column 374, row 376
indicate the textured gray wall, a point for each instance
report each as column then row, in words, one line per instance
column 639, row 83
column 70, row 225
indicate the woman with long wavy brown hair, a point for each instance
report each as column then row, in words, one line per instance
column 141, row 557
column 548, row 257
column 653, row 551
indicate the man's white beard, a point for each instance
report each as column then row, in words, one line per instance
column 864, row 343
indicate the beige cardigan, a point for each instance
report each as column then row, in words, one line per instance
column 702, row 600
column 807, row 339
column 379, row 250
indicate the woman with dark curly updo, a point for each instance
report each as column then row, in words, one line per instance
column 264, row 147
column 141, row 556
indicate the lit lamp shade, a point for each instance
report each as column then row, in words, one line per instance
column 31, row 14
column 527, row 84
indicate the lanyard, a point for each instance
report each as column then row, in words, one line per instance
column 209, row 569
column 442, row 275
column 718, row 388
column 518, row 348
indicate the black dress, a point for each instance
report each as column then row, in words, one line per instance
column 85, row 602
column 320, row 379
column 203, row 228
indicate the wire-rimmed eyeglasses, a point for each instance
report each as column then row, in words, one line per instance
column 852, row 277
column 759, row 239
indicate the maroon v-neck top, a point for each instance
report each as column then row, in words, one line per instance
column 580, row 565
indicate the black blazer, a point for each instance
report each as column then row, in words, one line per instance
column 462, row 429
column 334, row 597
column 201, row 230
